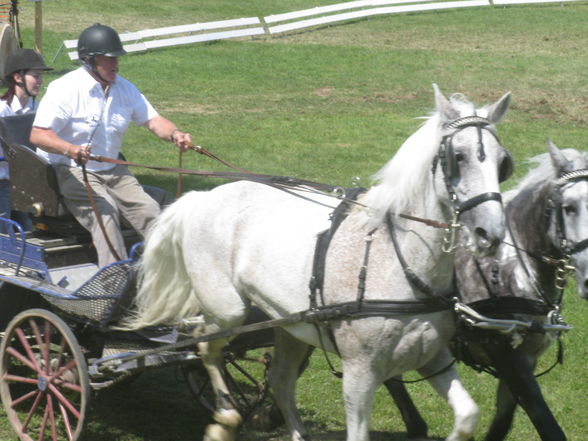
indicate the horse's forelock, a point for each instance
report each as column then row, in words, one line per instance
column 464, row 106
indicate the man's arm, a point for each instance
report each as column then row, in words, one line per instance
column 167, row 130
column 49, row 141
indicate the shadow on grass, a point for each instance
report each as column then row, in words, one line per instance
column 158, row 406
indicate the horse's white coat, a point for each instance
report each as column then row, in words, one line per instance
column 214, row 253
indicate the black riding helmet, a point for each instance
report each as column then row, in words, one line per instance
column 22, row 60
column 99, row 40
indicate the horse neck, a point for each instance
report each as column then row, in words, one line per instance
column 530, row 208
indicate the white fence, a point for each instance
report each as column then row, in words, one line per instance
column 319, row 16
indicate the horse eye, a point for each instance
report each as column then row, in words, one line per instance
column 460, row 157
column 570, row 209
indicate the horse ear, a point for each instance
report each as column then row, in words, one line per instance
column 560, row 163
column 497, row 110
column 444, row 107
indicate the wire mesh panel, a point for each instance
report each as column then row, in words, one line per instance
column 99, row 299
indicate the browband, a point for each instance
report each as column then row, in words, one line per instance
column 467, row 121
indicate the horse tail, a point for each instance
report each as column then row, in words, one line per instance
column 164, row 294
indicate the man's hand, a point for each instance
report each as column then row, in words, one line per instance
column 182, row 140
column 80, row 154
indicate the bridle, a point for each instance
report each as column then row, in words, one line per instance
column 433, row 300
column 543, row 306
column 567, row 247
column 447, row 160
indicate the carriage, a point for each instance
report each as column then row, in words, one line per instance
column 61, row 314
column 57, row 308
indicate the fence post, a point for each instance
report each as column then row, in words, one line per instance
column 38, row 26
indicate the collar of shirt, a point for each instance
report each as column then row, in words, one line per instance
column 93, row 86
column 19, row 109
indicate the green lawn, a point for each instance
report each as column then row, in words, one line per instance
column 329, row 104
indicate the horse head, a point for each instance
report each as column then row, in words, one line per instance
column 473, row 163
column 568, row 212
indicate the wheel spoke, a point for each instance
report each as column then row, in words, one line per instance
column 43, row 348
column 32, row 411
column 57, row 374
column 23, row 359
column 47, row 346
column 52, row 418
column 24, row 398
column 66, row 384
column 61, row 353
column 27, row 347
column 66, row 422
column 64, row 401
column 44, row 424
column 19, row 379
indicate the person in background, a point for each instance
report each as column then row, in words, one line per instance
column 88, row 111
column 24, row 76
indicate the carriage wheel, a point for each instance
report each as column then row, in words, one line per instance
column 43, row 378
column 246, row 379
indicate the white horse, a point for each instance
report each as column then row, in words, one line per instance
column 213, row 254
column 547, row 216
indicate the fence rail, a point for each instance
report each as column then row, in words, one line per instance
column 296, row 20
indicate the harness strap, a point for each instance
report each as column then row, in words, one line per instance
column 410, row 275
column 319, row 265
column 322, row 245
column 477, row 200
column 378, row 308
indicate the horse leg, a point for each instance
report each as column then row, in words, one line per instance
column 416, row 426
column 290, row 355
column 359, row 386
column 447, row 384
column 225, row 414
column 515, row 367
column 505, row 408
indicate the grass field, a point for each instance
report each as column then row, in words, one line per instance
column 329, row 104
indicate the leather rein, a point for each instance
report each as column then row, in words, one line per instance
column 284, row 183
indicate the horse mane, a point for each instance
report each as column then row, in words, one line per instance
column 544, row 172
column 406, row 179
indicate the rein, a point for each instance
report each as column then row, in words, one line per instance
column 281, row 182
column 89, row 188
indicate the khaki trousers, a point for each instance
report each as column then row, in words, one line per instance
column 118, row 195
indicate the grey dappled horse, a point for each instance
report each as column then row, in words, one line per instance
column 547, row 216
column 211, row 255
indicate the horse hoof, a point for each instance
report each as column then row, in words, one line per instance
column 219, row 432
column 266, row 419
column 228, row 417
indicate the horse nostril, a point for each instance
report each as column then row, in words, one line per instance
column 481, row 232
column 484, row 239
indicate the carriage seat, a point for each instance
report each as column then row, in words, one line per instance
column 36, row 190
column 33, row 184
